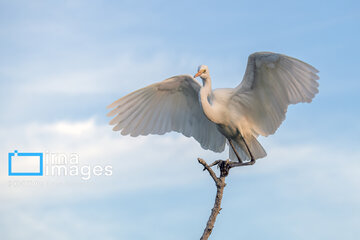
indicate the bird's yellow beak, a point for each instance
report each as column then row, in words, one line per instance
column 199, row 73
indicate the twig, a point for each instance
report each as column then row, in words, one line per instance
column 220, row 185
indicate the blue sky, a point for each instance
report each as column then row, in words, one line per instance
column 63, row 62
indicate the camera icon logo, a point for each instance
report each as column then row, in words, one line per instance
column 25, row 164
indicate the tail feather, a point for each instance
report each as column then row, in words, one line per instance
column 255, row 147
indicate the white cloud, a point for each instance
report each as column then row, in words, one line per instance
column 137, row 162
column 140, row 163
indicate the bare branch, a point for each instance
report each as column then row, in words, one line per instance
column 220, row 185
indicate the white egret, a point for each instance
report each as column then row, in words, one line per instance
column 257, row 106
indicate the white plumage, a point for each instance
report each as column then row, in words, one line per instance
column 257, row 106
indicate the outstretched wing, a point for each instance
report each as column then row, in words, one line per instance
column 170, row 105
column 272, row 82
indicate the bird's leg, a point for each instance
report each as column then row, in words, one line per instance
column 226, row 165
column 252, row 161
column 233, row 148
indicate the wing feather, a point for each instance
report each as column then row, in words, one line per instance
column 170, row 105
column 271, row 82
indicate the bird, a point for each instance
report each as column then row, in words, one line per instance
column 233, row 116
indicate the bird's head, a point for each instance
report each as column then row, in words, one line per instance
column 203, row 72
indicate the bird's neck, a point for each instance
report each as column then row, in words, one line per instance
column 205, row 96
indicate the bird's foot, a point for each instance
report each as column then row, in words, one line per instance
column 224, row 166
